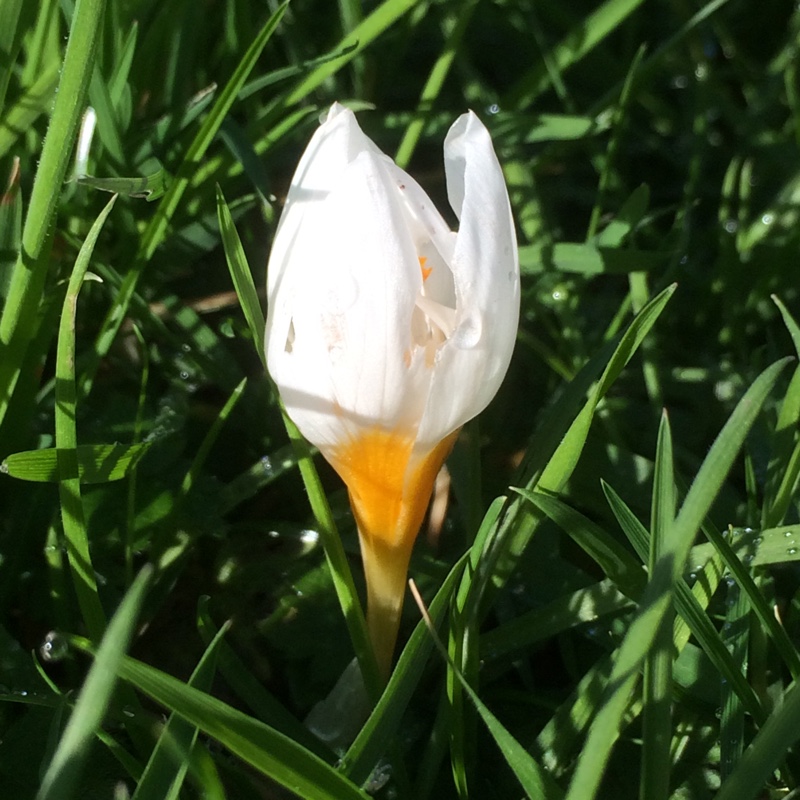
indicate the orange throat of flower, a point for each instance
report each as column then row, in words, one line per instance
column 390, row 485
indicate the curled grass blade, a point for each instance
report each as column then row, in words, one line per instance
column 69, row 487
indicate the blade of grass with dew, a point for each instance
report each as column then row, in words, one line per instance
column 157, row 227
column 170, row 758
column 69, row 487
column 334, row 551
column 257, row 744
column 657, row 681
column 533, row 778
column 97, row 463
column 656, row 600
column 60, row 780
column 18, row 322
column 765, row 614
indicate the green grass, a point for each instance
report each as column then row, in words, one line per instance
column 614, row 590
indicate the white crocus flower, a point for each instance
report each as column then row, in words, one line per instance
column 387, row 331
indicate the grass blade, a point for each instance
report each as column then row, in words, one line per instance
column 60, row 780
column 18, row 322
column 69, row 487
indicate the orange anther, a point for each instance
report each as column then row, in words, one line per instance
column 426, row 271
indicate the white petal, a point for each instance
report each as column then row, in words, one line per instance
column 472, row 363
column 350, row 294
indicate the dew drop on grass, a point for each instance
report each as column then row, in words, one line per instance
column 54, row 647
column 791, row 551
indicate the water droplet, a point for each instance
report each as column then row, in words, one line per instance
column 187, row 348
column 788, row 534
column 54, row 647
column 493, row 109
column 748, row 558
column 468, row 333
column 768, row 219
column 273, row 534
column 791, row 551
column 184, row 375
column 758, row 540
column 309, row 537
column 379, row 778
column 731, row 226
column 128, row 711
column 266, row 464
column 692, row 576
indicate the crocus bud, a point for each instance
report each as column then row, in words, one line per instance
column 387, row 331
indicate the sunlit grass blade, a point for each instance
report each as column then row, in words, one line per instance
column 657, row 597
column 97, row 463
column 69, row 487
column 61, row 779
column 19, row 318
column 263, row 748
column 241, row 275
